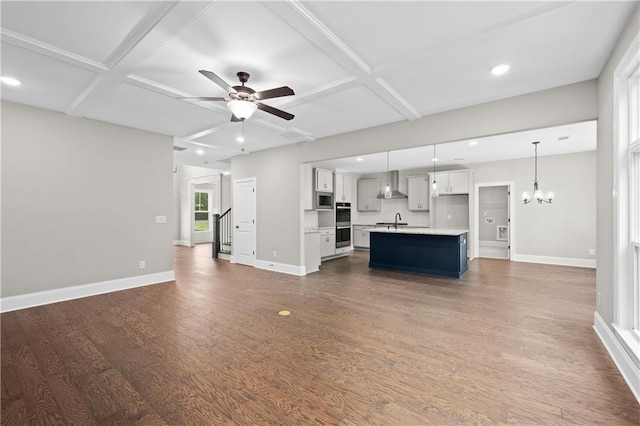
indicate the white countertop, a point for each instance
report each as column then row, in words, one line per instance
column 384, row 226
column 422, row 231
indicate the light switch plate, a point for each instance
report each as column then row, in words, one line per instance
column 161, row 219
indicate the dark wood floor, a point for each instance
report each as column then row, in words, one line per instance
column 508, row 343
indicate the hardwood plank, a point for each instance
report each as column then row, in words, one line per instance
column 57, row 375
column 12, row 406
column 509, row 343
column 38, row 398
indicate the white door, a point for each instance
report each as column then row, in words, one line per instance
column 244, row 217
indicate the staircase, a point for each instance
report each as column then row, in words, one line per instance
column 222, row 234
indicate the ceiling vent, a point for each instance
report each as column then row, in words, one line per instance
column 178, row 148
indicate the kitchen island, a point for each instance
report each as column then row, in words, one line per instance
column 428, row 251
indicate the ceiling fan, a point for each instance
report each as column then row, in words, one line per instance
column 243, row 100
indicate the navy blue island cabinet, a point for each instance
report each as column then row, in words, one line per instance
column 420, row 251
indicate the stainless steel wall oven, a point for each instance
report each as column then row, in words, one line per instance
column 343, row 225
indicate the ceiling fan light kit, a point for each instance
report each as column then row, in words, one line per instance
column 538, row 194
column 242, row 100
column 242, row 109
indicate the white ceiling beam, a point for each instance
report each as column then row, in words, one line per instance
column 42, row 48
column 295, row 14
column 137, row 48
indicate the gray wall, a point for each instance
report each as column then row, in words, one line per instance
column 79, row 201
column 567, row 227
column 605, row 173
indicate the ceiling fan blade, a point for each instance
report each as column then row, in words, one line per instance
column 217, row 80
column 234, row 118
column 275, row 111
column 202, row 98
column 275, row 93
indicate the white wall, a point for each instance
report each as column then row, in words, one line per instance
column 606, row 173
column 280, row 224
column 79, row 201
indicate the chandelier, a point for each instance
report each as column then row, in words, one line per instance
column 538, row 194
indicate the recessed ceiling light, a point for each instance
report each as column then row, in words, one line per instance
column 434, row 160
column 240, row 139
column 472, row 143
column 500, row 69
column 226, row 173
column 359, row 159
column 199, row 151
column 9, row 81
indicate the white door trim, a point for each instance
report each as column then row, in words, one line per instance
column 476, row 216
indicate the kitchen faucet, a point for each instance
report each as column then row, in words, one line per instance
column 395, row 225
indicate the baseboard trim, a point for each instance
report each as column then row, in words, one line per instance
column 500, row 244
column 29, row 300
column 549, row 260
column 182, row 243
column 629, row 370
column 280, row 267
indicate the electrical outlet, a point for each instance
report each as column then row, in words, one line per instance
column 275, row 253
column 599, row 297
column 141, row 265
column 592, row 252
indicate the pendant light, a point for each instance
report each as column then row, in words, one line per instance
column 434, row 184
column 538, row 194
column 387, row 190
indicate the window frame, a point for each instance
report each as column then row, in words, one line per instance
column 627, row 200
column 208, row 211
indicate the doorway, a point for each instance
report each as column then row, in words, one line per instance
column 494, row 220
column 204, row 206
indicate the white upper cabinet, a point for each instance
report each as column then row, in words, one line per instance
column 418, row 193
column 344, row 188
column 368, row 190
column 449, row 183
column 324, row 180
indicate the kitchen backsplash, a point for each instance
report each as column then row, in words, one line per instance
column 388, row 212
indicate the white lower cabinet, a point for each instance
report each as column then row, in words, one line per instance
column 327, row 242
column 361, row 235
column 312, row 251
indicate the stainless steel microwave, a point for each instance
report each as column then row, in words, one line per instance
column 323, row 201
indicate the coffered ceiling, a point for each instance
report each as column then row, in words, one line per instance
column 352, row 65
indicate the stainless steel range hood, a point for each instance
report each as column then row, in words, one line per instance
column 394, row 179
